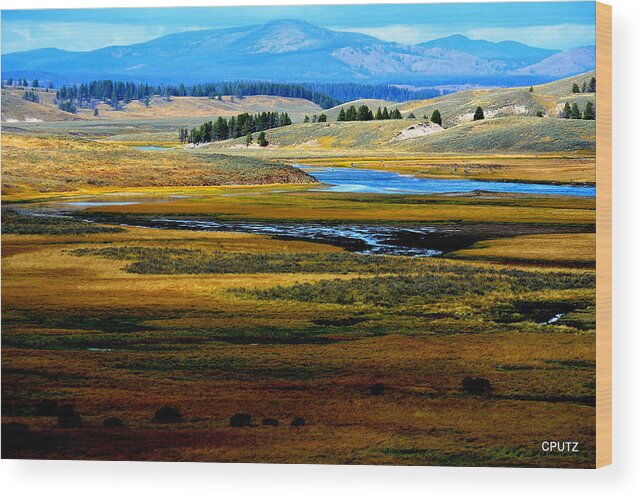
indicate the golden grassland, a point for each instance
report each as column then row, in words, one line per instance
column 55, row 164
column 114, row 343
column 560, row 249
column 320, row 206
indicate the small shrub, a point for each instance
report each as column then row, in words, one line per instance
column 113, row 422
column 273, row 422
column 298, row 422
column 476, row 385
column 376, row 389
column 240, row 420
column 167, row 415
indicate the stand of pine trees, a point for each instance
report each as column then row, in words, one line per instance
column 363, row 113
column 326, row 95
column 587, row 88
column 573, row 112
column 31, row 96
column 236, row 126
column 115, row 91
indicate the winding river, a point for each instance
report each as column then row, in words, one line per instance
column 357, row 180
column 398, row 239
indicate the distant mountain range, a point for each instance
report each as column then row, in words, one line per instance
column 293, row 50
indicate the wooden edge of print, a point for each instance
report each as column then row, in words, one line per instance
column 603, row 235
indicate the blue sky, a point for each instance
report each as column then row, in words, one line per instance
column 556, row 25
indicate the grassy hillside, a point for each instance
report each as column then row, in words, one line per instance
column 459, row 107
column 328, row 136
column 517, row 134
column 36, row 164
column 203, row 106
column 15, row 109
column 563, row 87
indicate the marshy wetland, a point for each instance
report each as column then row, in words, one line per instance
column 202, row 302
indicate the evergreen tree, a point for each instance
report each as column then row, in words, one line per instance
column 575, row 112
column 114, row 99
column 478, row 115
column 575, row 89
column 584, row 89
column 9, row 81
column 411, row 116
column 31, row 96
column 96, row 112
column 385, row 114
column 261, row 139
column 351, row 114
column 531, row 89
column 35, row 84
column 567, row 111
column 588, row 113
column 67, row 106
column 592, row 85
column 306, row 119
column 322, row 118
column 341, row 117
column 436, row 117
column 364, row 114
column 378, row 114
column 396, row 115
column 248, row 139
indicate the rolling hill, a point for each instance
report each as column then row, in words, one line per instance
column 510, row 134
column 459, row 107
column 515, row 134
column 570, row 61
column 15, row 109
column 511, row 125
column 514, row 54
column 284, row 50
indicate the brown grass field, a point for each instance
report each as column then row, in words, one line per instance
column 119, row 344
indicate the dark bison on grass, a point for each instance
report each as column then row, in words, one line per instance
column 112, row 422
column 476, row 385
column 47, row 408
column 167, row 415
column 273, row 422
column 15, row 436
column 298, row 422
column 240, row 420
column 14, row 430
column 68, row 417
